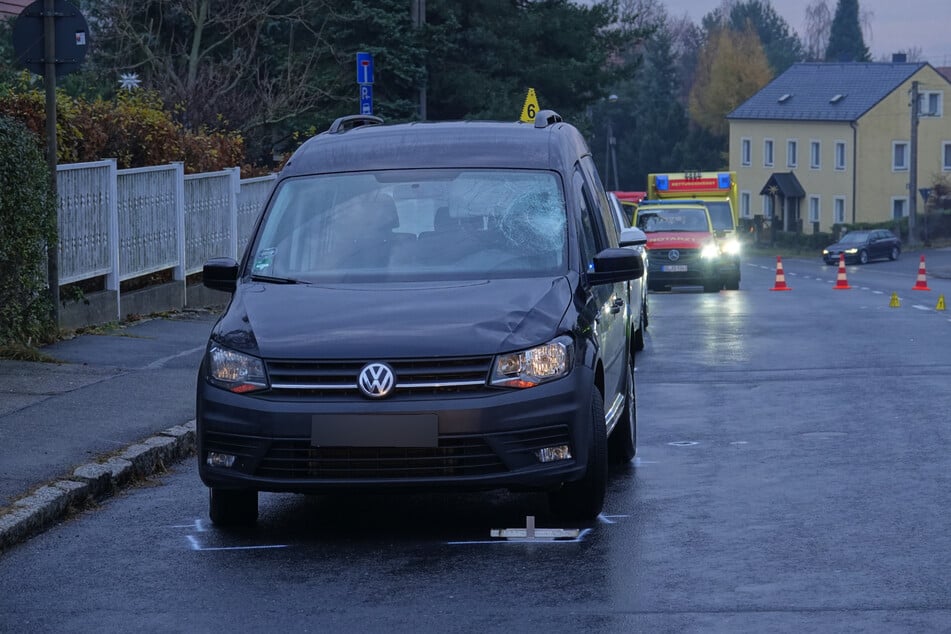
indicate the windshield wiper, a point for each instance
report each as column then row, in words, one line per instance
column 270, row 279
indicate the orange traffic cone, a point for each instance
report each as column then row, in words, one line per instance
column 780, row 284
column 921, row 284
column 841, row 283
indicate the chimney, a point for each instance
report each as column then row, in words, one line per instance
column 899, row 58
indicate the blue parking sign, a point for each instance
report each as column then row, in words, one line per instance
column 364, row 68
column 366, row 99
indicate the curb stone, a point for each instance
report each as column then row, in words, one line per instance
column 93, row 482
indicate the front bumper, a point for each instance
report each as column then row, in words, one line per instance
column 484, row 441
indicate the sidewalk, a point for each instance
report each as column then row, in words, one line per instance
column 118, row 406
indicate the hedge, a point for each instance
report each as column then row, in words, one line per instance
column 27, row 225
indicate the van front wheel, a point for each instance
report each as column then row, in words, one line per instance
column 584, row 499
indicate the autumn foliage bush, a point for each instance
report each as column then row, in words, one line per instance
column 135, row 129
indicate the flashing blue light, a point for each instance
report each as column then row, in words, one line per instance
column 723, row 181
column 663, row 182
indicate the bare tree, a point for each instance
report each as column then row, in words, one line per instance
column 252, row 62
column 817, row 25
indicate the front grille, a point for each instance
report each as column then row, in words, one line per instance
column 456, row 455
column 660, row 257
column 418, row 377
column 294, row 459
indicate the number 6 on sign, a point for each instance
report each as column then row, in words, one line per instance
column 530, row 109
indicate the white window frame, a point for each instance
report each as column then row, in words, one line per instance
column 904, row 206
column 769, row 153
column 746, row 151
column 815, row 154
column 896, row 167
column 925, row 100
column 815, row 209
column 792, row 152
column 840, row 148
column 745, row 204
column 946, row 156
column 838, row 206
column 769, row 207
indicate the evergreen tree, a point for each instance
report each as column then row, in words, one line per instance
column 653, row 125
column 845, row 38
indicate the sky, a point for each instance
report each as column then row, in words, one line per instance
column 895, row 24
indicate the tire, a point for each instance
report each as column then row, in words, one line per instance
column 863, row 257
column 622, row 443
column 229, row 507
column 712, row 287
column 733, row 283
column 584, row 499
column 637, row 343
column 894, row 254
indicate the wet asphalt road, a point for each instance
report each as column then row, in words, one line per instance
column 792, row 475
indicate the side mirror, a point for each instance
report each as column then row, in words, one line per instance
column 632, row 237
column 616, row 265
column 220, row 274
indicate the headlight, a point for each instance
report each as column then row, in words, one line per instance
column 710, row 251
column 235, row 371
column 852, row 251
column 825, row 252
column 732, row 247
column 534, row 366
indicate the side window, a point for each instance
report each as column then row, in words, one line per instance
column 587, row 225
column 599, row 202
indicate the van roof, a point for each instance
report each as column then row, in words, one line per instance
column 459, row 144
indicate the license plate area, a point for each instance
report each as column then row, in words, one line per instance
column 374, row 430
column 674, row 268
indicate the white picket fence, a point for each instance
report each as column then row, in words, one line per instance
column 127, row 223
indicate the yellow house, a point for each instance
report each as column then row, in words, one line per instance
column 833, row 143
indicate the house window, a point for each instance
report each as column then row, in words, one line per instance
column 746, row 152
column 814, row 209
column 745, row 204
column 930, row 103
column 815, row 155
column 839, row 209
column 899, row 156
column 768, row 207
column 840, row 155
column 767, row 153
column 899, row 207
column 946, row 156
column 792, row 152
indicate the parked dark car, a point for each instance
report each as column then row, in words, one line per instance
column 861, row 247
column 424, row 306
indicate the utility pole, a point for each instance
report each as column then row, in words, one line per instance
column 418, row 13
column 49, row 75
column 913, row 166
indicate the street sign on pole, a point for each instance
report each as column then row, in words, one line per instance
column 364, row 68
column 365, row 81
column 366, row 99
column 71, row 39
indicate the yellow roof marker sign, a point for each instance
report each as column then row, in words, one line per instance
column 530, row 109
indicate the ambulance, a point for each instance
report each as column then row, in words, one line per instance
column 719, row 193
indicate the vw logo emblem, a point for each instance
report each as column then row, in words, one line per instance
column 376, row 380
column 673, row 255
